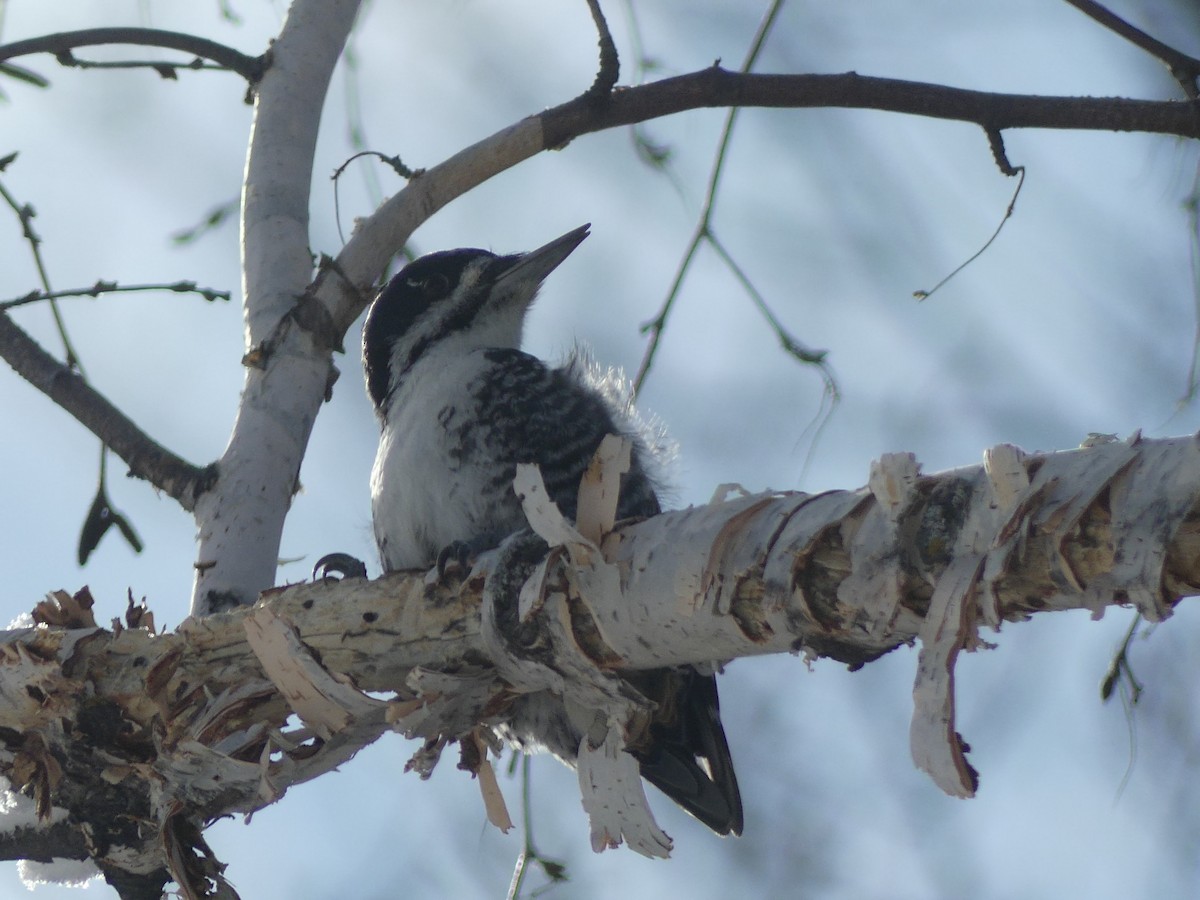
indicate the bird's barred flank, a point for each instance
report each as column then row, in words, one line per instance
column 460, row 405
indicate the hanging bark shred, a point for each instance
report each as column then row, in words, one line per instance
column 142, row 737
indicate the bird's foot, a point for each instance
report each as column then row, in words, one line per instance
column 456, row 554
column 342, row 565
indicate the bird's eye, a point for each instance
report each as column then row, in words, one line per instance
column 432, row 288
column 436, row 285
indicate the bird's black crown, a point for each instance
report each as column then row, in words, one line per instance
column 411, row 292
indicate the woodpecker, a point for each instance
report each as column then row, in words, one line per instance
column 460, row 405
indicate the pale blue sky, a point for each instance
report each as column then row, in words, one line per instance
column 1080, row 318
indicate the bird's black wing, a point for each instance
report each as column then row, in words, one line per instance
column 557, row 422
column 687, row 756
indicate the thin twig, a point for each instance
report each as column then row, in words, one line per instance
column 61, row 44
column 397, row 165
column 999, row 154
column 792, row 345
column 1019, row 171
column 830, row 396
column 217, row 215
column 641, row 62
column 655, row 326
column 1185, row 69
column 703, row 230
column 111, row 287
column 355, row 121
column 21, row 349
column 1120, row 675
column 1192, row 205
column 167, row 70
column 25, row 213
column 1120, row 668
column 654, row 154
column 555, row 870
column 521, row 869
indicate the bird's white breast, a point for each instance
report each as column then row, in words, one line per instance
column 423, row 496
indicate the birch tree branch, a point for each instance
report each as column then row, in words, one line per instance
column 240, row 521
column 190, row 725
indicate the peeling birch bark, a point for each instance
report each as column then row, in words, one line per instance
column 239, row 520
column 138, row 734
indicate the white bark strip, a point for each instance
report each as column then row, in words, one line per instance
column 199, row 732
column 599, row 490
column 1006, row 469
column 1153, row 499
column 609, row 777
column 877, row 583
column 324, row 704
column 949, row 626
column 489, row 789
column 610, row 786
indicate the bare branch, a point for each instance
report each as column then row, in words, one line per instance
column 999, row 154
column 61, row 44
column 111, row 287
column 1185, row 69
column 62, row 840
column 369, row 250
column 146, row 459
column 169, row 71
column 718, row 87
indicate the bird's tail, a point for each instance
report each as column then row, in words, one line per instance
column 687, row 756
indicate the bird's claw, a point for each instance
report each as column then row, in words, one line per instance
column 343, row 565
column 457, row 552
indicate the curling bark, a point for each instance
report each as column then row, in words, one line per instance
column 185, row 726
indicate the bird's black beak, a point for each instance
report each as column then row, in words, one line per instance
column 532, row 268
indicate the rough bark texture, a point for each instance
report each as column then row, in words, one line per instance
column 144, row 738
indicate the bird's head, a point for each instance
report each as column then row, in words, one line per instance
column 470, row 297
